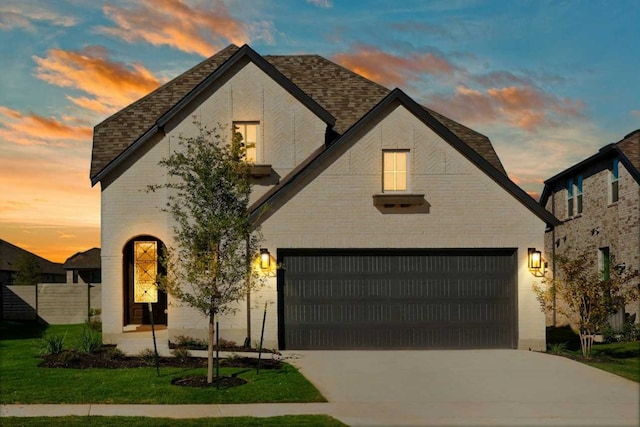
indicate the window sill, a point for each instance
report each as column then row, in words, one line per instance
column 401, row 200
column 259, row 171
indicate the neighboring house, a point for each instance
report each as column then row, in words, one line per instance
column 52, row 272
column 598, row 201
column 392, row 225
column 84, row 267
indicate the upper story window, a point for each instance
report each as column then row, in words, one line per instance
column 614, row 176
column 579, row 195
column 574, row 196
column 395, row 176
column 570, row 197
column 250, row 133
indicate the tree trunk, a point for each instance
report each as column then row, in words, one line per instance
column 210, row 348
column 586, row 343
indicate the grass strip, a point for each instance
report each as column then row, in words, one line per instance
column 286, row 420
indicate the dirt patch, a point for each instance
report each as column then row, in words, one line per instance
column 201, row 381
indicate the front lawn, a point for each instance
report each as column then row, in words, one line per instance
column 23, row 381
column 620, row 358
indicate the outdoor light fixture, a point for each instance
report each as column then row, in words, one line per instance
column 265, row 259
column 536, row 264
column 535, row 259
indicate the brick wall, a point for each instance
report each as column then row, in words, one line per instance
column 602, row 224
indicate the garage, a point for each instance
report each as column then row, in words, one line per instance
column 397, row 299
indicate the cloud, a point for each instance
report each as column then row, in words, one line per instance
column 110, row 84
column 635, row 113
column 525, row 107
column 192, row 29
column 393, row 70
column 325, row 4
column 502, row 78
column 23, row 15
column 32, row 129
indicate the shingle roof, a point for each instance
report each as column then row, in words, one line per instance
column 87, row 260
column 630, row 146
column 344, row 94
column 10, row 255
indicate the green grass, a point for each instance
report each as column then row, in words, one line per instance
column 287, row 420
column 621, row 358
column 23, row 382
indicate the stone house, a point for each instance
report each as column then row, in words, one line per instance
column 393, row 226
column 598, row 201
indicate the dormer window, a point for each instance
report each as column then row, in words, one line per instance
column 250, row 133
column 395, row 171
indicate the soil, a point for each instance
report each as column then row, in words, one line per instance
column 105, row 357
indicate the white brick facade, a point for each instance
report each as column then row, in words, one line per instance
column 466, row 208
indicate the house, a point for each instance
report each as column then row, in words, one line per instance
column 10, row 255
column 598, row 201
column 84, row 267
column 393, row 226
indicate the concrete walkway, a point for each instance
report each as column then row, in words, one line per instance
column 426, row 388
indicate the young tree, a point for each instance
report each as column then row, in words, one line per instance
column 209, row 188
column 586, row 296
column 28, row 270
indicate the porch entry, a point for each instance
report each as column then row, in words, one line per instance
column 141, row 266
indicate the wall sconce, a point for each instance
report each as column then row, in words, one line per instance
column 265, row 259
column 536, row 264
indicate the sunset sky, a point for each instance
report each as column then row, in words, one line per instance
column 549, row 82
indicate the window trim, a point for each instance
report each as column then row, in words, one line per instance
column 396, row 172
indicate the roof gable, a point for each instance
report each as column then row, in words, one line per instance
column 270, row 199
column 337, row 95
column 184, row 86
column 10, row 255
column 627, row 150
column 87, row 260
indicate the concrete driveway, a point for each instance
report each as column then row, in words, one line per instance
column 467, row 387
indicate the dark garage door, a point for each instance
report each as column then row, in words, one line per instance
column 397, row 299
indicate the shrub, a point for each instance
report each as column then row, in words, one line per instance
column 148, row 357
column 190, row 342
column 51, row 344
column 114, row 353
column 181, row 354
column 558, row 348
column 89, row 341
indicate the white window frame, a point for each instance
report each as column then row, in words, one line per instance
column 241, row 126
column 395, row 171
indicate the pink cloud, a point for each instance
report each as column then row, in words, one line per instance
column 111, row 85
column 393, row 70
column 32, row 129
column 192, row 29
column 525, row 107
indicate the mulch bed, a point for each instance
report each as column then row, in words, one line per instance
column 201, row 381
column 103, row 358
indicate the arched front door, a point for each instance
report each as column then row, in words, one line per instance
column 141, row 265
